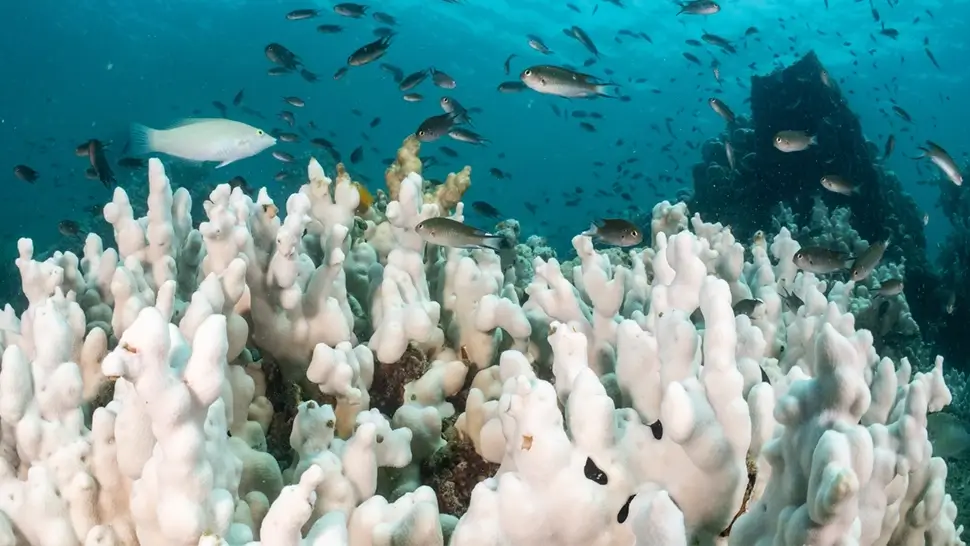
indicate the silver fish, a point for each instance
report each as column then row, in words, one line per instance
column 722, row 109
column 563, row 82
column 465, row 135
column 300, row 14
column 349, row 9
column 452, row 106
column 729, row 152
column 537, row 44
column 413, row 80
column 699, row 7
column 820, row 260
column 454, row 234
column 890, row 287
column 863, row 266
column 442, row 80
column 837, row 184
column 943, row 160
column 794, row 141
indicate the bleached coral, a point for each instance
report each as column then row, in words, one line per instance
column 624, row 402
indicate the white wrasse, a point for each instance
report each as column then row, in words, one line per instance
column 216, row 139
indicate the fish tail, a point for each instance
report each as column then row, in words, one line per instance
column 496, row 242
column 142, row 139
column 592, row 231
column 813, row 140
column 601, row 89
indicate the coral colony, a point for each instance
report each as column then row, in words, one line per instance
column 418, row 395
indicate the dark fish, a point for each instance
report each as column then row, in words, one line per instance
column 357, row 155
column 394, row 71
column 448, row 151
column 237, row 100
column 349, row 9
column 278, row 54
column 294, row 101
column 340, row 73
column 747, row 307
column 928, row 54
column 509, row 60
column 69, row 228
column 222, row 108
column 512, row 87
column 890, row 146
column 25, row 173
column 370, row 52
column 384, row 18
column 692, row 58
column 485, row 209
column 452, row 106
column 615, row 231
column 583, row 38
column 300, row 14
column 903, row 114
column 435, row 127
column 375, row 122
column 308, row 76
column 864, row 265
column 100, row 163
column 329, row 29
column 413, row 80
column 288, row 137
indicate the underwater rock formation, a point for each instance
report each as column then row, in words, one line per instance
column 800, row 98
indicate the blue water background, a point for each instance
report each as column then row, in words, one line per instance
column 87, row 69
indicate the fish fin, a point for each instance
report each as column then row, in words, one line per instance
column 224, row 163
column 497, row 243
column 141, row 139
column 813, row 140
column 601, row 89
column 593, row 231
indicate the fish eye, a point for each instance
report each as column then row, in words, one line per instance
column 445, row 100
column 259, row 132
column 422, row 132
column 528, row 72
column 635, row 233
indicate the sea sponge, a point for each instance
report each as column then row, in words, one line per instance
column 448, row 195
column 405, row 162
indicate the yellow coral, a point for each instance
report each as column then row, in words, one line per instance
column 405, row 163
column 447, row 195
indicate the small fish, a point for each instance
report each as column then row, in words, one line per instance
column 890, row 287
column 748, row 307
column 466, row 135
column 222, row 140
column 699, row 7
column 357, row 155
column 237, row 100
column 821, row 260
column 563, row 82
column 288, row 117
column 340, row 73
column 942, row 159
column 442, row 80
column 308, row 76
column 283, row 156
column 369, row 53
column 435, row 127
column 902, row 114
column 99, row 162
column 722, row 109
column 890, row 146
column 384, row 18
column 452, row 106
column 349, row 9
column 537, row 44
column 374, row 122
column 69, row 228
column 837, row 184
column 932, row 58
column 454, row 234
column 279, row 54
column 512, row 87
column 486, row 209
column 951, row 303
column 792, row 301
column 583, row 38
column 288, row 137
column 794, row 141
column 413, row 80
column 329, row 29
column 301, row 14
column 294, row 101
column 413, row 97
column 615, row 231
column 826, row 79
column 863, row 266
column 26, row 173
column 508, row 62
column 729, row 152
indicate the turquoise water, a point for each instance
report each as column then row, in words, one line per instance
column 81, row 70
